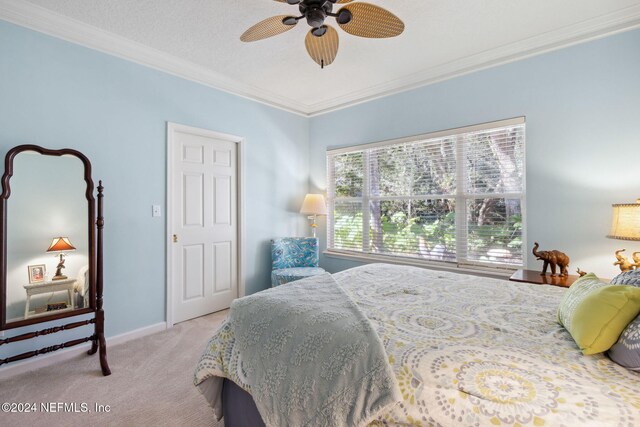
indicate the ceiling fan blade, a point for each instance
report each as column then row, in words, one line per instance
column 322, row 49
column 298, row 1
column 266, row 28
column 371, row 21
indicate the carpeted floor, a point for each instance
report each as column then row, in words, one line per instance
column 150, row 385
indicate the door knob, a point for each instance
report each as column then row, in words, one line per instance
column 175, row 238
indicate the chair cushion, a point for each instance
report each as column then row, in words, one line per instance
column 286, row 275
column 290, row 252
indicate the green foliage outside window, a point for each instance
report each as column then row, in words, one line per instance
column 412, row 188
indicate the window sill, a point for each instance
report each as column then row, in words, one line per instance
column 498, row 273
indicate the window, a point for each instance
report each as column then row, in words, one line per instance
column 455, row 196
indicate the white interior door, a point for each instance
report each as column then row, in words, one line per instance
column 204, row 226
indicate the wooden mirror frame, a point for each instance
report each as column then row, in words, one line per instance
column 95, row 226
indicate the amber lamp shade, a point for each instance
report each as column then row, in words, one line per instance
column 626, row 221
column 60, row 244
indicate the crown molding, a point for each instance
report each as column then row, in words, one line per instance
column 45, row 21
column 606, row 25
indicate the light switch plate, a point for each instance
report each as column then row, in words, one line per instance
column 156, row 211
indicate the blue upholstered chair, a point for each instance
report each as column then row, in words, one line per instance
column 293, row 258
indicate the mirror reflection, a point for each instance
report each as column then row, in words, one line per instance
column 47, row 240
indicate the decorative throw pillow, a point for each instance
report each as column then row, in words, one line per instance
column 598, row 320
column 626, row 352
column 580, row 289
column 631, row 277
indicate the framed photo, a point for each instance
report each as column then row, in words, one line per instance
column 36, row 273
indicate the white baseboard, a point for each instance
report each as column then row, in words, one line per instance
column 70, row 353
column 137, row 333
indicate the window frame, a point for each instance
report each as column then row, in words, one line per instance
column 461, row 263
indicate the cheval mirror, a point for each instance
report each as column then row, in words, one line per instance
column 51, row 252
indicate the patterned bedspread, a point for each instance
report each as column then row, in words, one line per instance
column 306, row 353
column 470, row 351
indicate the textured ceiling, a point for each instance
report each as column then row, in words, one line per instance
column 439, row 37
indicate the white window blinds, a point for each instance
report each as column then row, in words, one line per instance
column 454, row 196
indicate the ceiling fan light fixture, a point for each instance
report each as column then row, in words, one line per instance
column 293, row 1
column 344, row 16
column 320, row 31
column 290, row 20
column 315, row 17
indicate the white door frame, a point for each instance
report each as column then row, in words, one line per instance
column 172, row 128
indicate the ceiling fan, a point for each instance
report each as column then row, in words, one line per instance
column 359, row 19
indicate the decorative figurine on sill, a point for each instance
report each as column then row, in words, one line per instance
column 552, row 258
column 623, row 261
column 580, row 272
column 636, row 259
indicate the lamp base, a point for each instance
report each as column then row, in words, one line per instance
column 59, row 277
column 313, row 224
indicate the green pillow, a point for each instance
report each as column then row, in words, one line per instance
column 599, row 319
column 580, row 289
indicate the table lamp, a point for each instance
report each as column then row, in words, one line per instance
column 626, row 226
column 313, row 205
column 60, row 244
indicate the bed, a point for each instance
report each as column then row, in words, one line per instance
column 472, row 351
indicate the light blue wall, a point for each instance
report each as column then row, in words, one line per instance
column 583, row 132
column 582, row 107
column 56, row 94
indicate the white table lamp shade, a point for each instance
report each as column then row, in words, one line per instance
column 314, row 204
column 626, row 221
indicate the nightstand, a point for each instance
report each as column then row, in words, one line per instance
column 52, row 286
column 530, row 276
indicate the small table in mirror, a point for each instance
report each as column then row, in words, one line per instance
column 54, row 286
